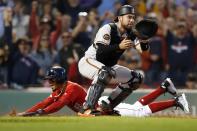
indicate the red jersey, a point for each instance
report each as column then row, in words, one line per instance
column 72, row 95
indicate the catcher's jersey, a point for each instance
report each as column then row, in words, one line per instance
column 73, row 96
column 103, row 36
column 109, row 36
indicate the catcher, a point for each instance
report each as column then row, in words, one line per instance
column 66, row 93
column 100, row 61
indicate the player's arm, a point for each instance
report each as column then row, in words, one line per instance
column 124, row 44
column 41, row 105
column 36, row 109
column 65, row 99
column 102, row 40
column 103, row 49
column 141, row 45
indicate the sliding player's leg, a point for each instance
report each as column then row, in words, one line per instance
column 166, row 86
column 141, row 111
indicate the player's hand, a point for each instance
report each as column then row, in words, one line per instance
column 40, row 112
column 70, row 60
column 7, row 15
column 36, row 113
column 13, row 112
column 125, row 44
column 21, row 114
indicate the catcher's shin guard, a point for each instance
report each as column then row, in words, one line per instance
column 97, row 88
column 94, row 94
column 118, row 95
column 122, row 91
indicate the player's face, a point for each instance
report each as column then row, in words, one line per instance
column 66, row 37
column 52, row 84
column 127, row 21
column 181, row 31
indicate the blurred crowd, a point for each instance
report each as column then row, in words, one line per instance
column 37, row 34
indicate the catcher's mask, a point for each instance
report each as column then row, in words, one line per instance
column 124, row 10
column 56, row 74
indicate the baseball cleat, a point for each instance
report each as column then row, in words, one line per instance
column 168, row 85
column 182, row 103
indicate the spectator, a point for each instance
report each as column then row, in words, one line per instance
column 70, row 7
column 44, row 56
column 90, row 3
column 141, row 6
column 69, row 55
column 47, row 10
column 25, row 69
column 2, row 7
column 22, row 70
column 185, row 3
column 194, row 30
column 191, row 82
column 180, row 52
column 43, row 28
column 80, row 34
column 155, row 59
column 3, row 69
column 73, row 7
column 94, row 23
column 8, row 40
column 66, row 26
column 20, row 21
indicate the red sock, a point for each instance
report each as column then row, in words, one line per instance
column 161, row 105
column 145, row 100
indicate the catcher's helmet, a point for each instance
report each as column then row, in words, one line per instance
column 125, row 9
column 57, row 74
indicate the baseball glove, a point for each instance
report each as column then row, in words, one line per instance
column 146, row 29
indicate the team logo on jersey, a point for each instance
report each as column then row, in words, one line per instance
column 106, row 36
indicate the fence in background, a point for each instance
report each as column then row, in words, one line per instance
column 21, row 100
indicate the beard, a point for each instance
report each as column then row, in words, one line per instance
column 127, row 26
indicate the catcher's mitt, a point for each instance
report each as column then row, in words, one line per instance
column 146, row 29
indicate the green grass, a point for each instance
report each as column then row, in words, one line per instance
column 97, row 124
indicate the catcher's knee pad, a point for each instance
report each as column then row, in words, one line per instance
column 105, row 75
column 135, row 81
column 122, row 91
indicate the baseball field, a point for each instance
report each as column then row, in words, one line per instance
column 97, row 124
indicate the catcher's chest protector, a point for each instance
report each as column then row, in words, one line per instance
column 112, row 57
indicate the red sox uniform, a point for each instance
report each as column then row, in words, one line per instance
column 72, row 95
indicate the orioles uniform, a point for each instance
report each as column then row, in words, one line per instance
column 100, row 64
column 95, row 58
